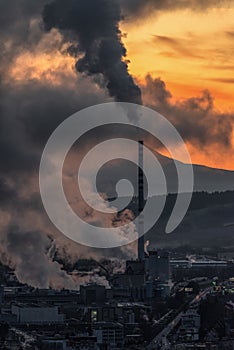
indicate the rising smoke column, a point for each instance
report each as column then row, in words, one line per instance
column 94, row 24
column 28, row 253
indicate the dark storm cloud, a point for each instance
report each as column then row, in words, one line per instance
column 7, row 194
column 30, row 110
column 195, row 118
column 15, row 16
column 29, row 114
column 133, row 8
column 17, row 28
column 95, row 25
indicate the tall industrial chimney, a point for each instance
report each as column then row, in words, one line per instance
column 141, row 242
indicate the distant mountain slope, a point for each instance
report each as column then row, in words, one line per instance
column 206, row 227
column 208, row 222
column 210, row 210
column 205, row 178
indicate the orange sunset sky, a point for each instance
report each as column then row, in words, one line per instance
column 190, row 51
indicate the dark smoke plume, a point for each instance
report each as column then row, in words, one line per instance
column 95, row 26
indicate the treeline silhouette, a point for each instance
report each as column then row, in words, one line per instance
column 200, row 200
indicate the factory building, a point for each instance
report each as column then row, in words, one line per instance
column 37, row 314
column 109, row 334
column 190, row 324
